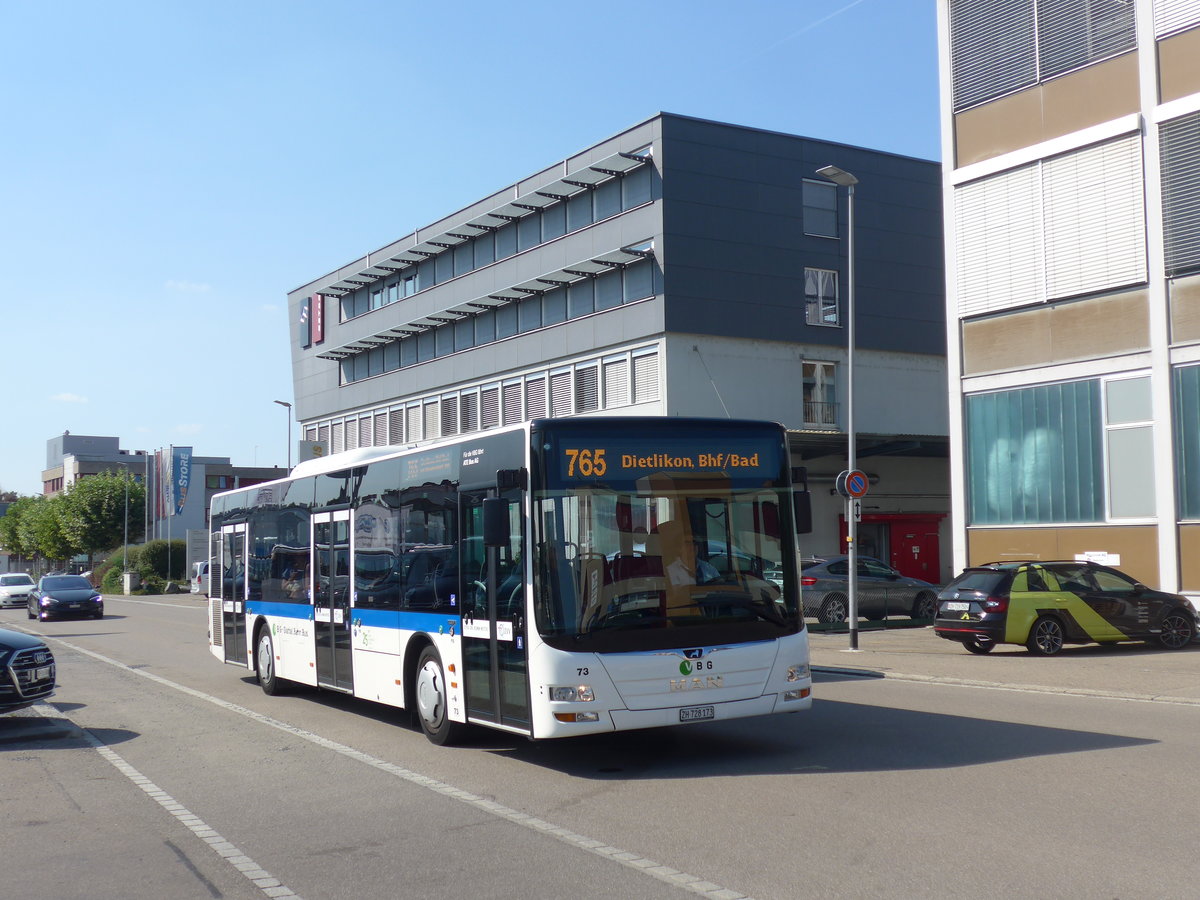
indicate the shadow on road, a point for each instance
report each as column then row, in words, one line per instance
column 834, row 737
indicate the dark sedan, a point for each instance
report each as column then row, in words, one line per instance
column 880, row 590
column 65, row 595
column 26, row 670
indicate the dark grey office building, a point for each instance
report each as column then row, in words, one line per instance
column 681, row 267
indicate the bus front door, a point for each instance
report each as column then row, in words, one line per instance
column 331, row 598
column 494, row 619
column 233, row 592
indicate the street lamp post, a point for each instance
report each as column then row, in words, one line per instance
column 288, row 406
column 125, row 546
column 844, row 179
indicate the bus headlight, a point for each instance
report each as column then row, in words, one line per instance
column 798, row 673
column 578, row 694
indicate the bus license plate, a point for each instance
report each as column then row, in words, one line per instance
column 697, row 713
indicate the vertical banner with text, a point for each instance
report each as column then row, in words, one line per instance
column 181, row 474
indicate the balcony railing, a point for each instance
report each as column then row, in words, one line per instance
column 820, row 415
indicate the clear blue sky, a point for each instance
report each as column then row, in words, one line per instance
column 169, row 171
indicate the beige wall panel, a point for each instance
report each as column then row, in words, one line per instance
column 1086, row 329
column 1083, row 329
column 1137, row 546
column 1185, row 309
column 1189, row 555
column 1179, row 65
column 1096, row 94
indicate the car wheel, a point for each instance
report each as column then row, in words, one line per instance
column 833, row 611
column 433, row 699
column 264, row 665
column 978, row 645
column 925, row 607
column 1045, row 637
column 1178, row 629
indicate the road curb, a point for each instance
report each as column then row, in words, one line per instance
column 1000, row 686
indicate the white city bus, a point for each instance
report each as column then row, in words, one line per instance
column 563, row 577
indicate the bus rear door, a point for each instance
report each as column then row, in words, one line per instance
column 331, row 598
column 233, row 591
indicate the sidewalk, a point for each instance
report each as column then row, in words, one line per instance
column 1133, row 671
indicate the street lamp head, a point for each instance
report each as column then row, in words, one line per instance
column 283, row 403
column 838, row 176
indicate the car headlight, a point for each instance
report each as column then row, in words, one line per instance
column 578, row 694
column 45, row 601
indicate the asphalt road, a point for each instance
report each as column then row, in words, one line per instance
column 158, row 772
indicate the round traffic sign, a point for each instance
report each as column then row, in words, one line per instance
column 853, row 483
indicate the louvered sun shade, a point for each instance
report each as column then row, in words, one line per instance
column 1000, row 46
column 1180, row 157
column 1175, row 15
column 1068, row 225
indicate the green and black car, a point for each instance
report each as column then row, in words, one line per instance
column 1045, row 605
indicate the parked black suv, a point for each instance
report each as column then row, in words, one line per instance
column 26, row 670
column 1045, row 605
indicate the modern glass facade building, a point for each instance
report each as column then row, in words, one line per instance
column 1071, row 168
column 681, row 267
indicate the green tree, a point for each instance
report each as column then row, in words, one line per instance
column 12, row 537
column 41, row 527
column 95, row 512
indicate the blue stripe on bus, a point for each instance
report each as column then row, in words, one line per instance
column 378, row 618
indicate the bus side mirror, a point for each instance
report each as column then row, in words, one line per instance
column 801, row 500
column 802, row 509
column 495, row 522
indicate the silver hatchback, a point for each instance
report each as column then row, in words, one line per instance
column 881, row 591
column 15, row 588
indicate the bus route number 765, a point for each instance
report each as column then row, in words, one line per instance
column 586, row 463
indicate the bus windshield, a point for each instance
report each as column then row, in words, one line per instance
column 670, row 561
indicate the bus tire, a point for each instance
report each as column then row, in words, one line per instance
column 432, row 694
column 264, row 664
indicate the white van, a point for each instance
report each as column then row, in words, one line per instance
column 200, row 577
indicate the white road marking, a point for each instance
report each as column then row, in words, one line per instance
column 256, row 874
column 629, row 859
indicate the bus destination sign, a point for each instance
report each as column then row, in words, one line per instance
column 601, row 462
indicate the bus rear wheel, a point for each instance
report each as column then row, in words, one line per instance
column 433, row 699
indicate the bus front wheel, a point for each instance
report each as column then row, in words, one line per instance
column 433, row 698
column 264, row 665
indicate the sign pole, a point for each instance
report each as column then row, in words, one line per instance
column 853, row 485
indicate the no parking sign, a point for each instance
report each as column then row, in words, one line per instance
column 853, row 484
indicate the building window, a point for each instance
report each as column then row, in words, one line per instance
column 820, row 395
column 1001, row 46
column 1129, row 433
column 587, row 389
column 1187, row 440
column 1180, row 154
column 821, row 297
column 1036, row 455
column 1065, row 226
column 820, row 208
